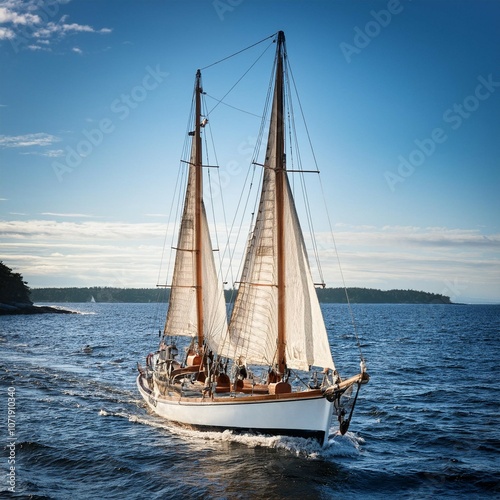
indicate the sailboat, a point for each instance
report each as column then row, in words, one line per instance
column 276, row 322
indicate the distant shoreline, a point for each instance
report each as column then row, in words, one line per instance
column 146, row 295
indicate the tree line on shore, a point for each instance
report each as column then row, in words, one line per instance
column 325, row 295
column 17, row 298
column 13, row 288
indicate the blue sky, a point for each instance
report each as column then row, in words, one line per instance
column 401, row 98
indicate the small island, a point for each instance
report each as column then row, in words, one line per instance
column 15, row 295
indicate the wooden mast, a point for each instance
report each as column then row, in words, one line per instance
column 198, row 209
column 280, row 169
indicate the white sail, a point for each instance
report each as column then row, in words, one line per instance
column 214, row 303
column 182, row 311
column 253, row 329
column 306, row 337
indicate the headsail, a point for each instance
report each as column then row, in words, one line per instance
column 276, row 284
column 195, row 276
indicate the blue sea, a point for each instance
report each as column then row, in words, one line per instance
column 426, row 426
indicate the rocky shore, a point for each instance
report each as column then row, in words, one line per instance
column 25, row 308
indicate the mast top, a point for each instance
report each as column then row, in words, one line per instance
column 281, row 41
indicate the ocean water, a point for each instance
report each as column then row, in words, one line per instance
column 426, row 426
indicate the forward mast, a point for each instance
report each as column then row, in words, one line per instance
column 198, row 210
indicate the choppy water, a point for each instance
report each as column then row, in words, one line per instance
column 426, row 425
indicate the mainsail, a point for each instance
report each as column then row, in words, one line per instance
column 276, row 301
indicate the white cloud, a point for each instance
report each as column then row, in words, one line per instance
column 6, row 33
column 413, row 257
column 53, row 153
column 85, row 253
column 55, row 214
column 10, row 16
column 28, row 140
column 55, row 29
column 67, row 28
column 28, row 24
column 78, row 230
column 77, row 50
column 432, row 237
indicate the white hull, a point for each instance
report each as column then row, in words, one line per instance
column 291, row 415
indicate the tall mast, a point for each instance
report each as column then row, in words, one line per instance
column 280, row 169
column 198, row 209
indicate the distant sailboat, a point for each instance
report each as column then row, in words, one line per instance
column 276, row 322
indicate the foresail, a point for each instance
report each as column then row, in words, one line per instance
column 182, row 311
column 181, row 317
column 214, row 303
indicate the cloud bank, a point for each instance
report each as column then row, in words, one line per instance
column 461, row 263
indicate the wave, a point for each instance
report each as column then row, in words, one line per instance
column 31, row 446
column 338, row 446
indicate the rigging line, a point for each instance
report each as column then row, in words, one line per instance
column 231, row 255
column 305, row 195
column 219, row 270
column 219, row 101
column 252, row 169
column 289, row 68
column 265, row 114
column 341, row 273
column 240, row 226
column 224, row 214
column 239, row 80
column 240, row 51
column 177, row 196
